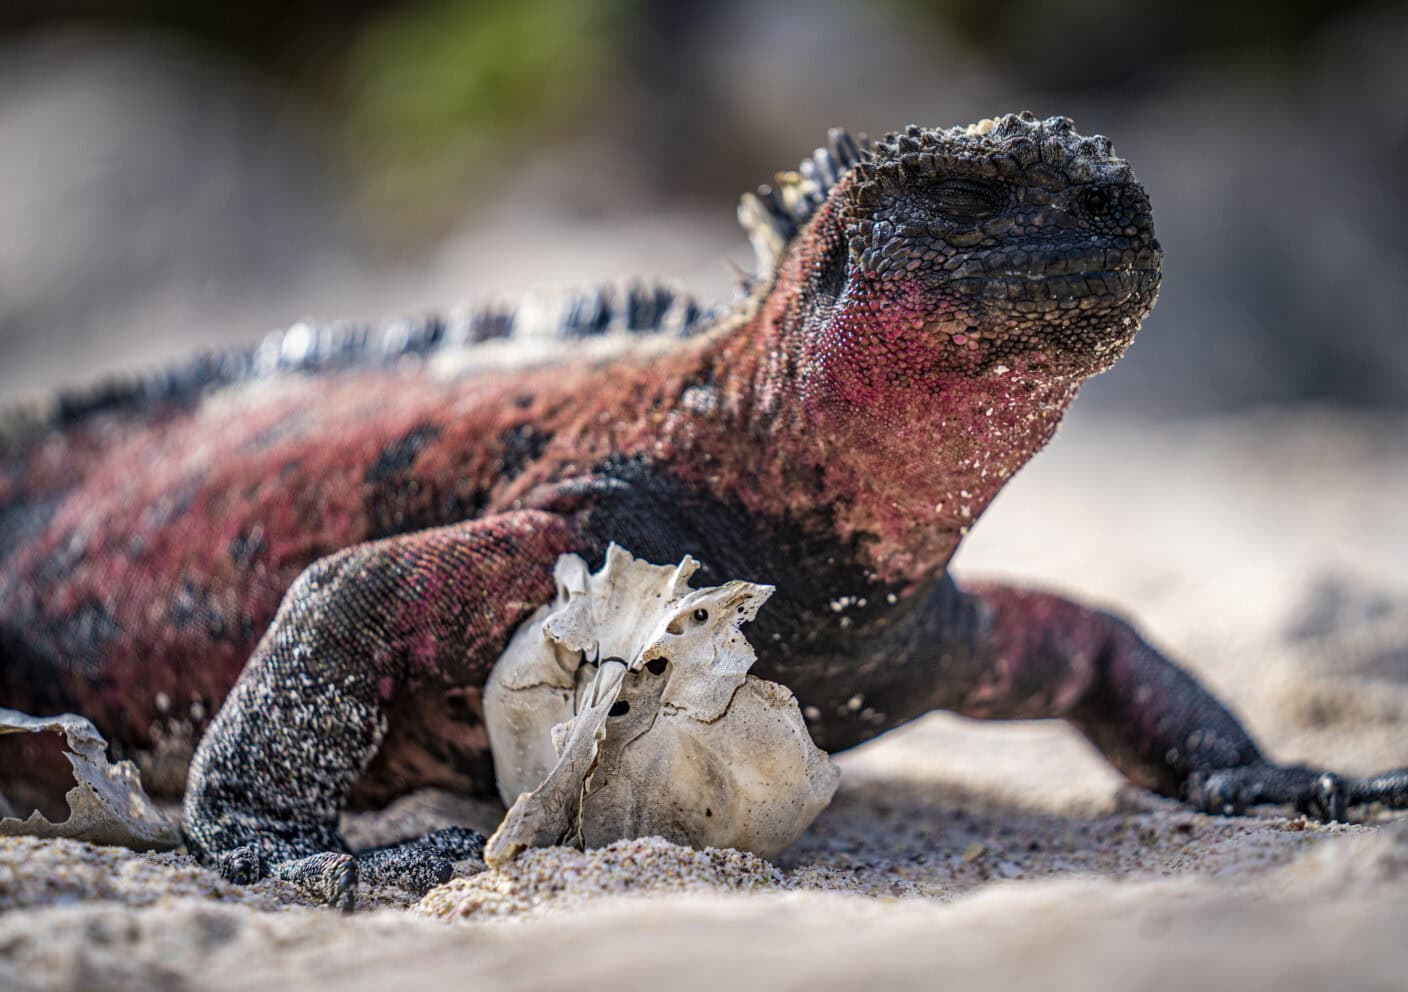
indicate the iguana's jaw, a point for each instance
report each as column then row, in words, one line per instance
column 1069, row 308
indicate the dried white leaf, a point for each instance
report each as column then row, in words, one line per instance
column 107, row 806
column 625, row 709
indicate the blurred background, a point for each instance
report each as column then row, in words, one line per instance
column 177, row 174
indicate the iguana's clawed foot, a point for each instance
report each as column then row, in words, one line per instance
column 333, row 878
column 1318, row 794
column 330, row 878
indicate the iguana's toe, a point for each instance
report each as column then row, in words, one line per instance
column 1325, row 799
column 421, row 864
column 1217, row 793
column 243, row 865
column 1388, row 788
column 410, row 867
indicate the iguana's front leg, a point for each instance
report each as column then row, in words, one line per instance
column 357, row 630
column 1044, row 656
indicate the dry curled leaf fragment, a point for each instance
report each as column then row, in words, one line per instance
column 625, row 709
column 107, row 806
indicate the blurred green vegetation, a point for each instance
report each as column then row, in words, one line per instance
column 438, row 91
column 427, row 93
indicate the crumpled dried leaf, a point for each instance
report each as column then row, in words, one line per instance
column 625, row 709
column 107, row 806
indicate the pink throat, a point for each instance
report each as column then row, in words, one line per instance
column 903, row 464
column 912, row 474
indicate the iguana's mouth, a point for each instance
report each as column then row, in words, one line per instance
column 1053, row 279
column 1098, row 287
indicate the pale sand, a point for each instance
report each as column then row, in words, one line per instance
column 1269, row 553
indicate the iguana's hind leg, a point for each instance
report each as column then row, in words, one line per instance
column 1044, row 656
column 355, row 632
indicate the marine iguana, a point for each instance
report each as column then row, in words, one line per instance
column 336, row 533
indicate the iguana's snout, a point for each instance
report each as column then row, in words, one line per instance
column 1010, row 241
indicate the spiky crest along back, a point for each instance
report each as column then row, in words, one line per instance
column 774, row 214
column 626, row 308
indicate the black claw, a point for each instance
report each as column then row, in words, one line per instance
column 342, row 884
column 1326, row 799
column 413, row 868
column 331, row 878
column 421, row 864
column 1317, row 794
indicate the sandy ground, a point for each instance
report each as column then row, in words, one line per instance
column 1267, row 551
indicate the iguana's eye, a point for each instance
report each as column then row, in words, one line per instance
column 1097, row 201
column 967, row 199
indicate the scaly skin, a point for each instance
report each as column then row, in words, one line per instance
column 926, row 309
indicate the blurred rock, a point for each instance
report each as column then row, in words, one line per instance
column 150, row 195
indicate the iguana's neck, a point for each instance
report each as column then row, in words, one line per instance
column 853, row 425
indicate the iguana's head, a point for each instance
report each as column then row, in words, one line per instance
column 1008, row 244
column 926, row 308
